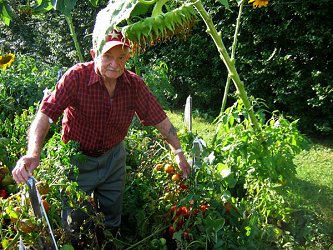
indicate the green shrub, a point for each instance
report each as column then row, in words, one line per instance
column 22, row 84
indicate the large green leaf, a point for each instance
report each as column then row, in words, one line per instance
column 42, row 6
column 140, row 9
column 6, row 12
column 64, row 6
column 108, row 18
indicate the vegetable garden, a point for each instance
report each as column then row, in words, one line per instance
column 236, row 195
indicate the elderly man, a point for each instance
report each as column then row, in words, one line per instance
column 99, row 100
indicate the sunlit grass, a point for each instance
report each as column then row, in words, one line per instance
column 200, row 126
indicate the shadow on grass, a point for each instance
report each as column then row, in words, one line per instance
column 320, row 197
column 313, row 214
column 325, row 141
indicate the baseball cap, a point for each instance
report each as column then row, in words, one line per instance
column 115, row 38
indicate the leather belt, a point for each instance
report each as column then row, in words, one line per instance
column 95, row 152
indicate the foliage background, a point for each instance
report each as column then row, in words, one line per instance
column 276, row 65
column 284, row 55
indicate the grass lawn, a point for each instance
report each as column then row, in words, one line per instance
column 199, row 125
column 315, row 173
column 314, row 185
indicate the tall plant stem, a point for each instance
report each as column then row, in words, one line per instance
column 229, row 63
column 74, row 37
column 233, row 51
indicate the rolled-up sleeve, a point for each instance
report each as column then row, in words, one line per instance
column 54, row 104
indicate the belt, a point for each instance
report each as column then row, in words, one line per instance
column 95, row 152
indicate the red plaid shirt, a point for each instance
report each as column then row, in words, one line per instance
column 91, row 117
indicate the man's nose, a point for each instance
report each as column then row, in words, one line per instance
column 113, row 62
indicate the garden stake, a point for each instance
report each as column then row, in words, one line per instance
column 37, row 205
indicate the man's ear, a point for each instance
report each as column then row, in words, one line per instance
column 93, row 53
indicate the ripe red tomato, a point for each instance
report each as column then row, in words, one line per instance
column 203, row 208
column 173, row 209
column 182, row 211
column 186, row 236
column 180, row 222
column 171, row 231
column 3, row 193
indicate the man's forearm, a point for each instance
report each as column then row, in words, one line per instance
column 37, row 133
column 168, row 131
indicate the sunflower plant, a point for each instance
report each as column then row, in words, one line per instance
column 147, row 22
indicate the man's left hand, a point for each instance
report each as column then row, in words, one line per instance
column 183, row 165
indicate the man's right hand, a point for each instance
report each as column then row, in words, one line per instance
column 24, row 168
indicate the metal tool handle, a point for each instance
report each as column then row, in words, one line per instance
column 37, row 205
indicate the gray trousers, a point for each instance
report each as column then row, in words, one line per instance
column 104, row 177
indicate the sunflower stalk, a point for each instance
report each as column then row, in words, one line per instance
column 69, row 21
column 232, row 57
column 229, row 62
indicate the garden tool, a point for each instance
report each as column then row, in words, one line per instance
column 37, row 205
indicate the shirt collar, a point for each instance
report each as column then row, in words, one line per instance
column 94, row 77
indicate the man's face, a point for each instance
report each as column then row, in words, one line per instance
column 111, row 64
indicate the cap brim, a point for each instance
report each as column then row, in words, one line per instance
column 111, row 44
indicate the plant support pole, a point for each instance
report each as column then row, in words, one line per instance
column 232, row 72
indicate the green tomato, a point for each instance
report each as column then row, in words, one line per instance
column 8, row 179
column 155, row 243
column 11, row 188
column 163, row 241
